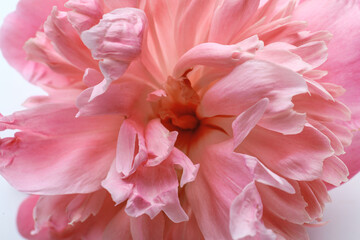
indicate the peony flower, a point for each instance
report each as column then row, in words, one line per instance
column 181, row 119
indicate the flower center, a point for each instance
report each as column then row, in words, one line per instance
column 177, row 108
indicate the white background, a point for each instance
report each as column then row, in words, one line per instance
column 343, row 214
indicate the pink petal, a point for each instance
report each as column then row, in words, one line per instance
column 18, row 27
column 144, row 228
column 115, row 53
column 321, row 109
column 118, row 227
column 67, row 41
column 70, row 169
column 189, row 169
column 40, row 49
column 156, row 190
column 342, row 62
column 245, row 216
column 126, row 98
column 217, row 55
column 85, row 14
column 247, row 120
column 285, row 229
column 290, row 207
column 222, row 28
column 334, row 171
column 131, row 148
column 211, row 188
column 300, row 160
column 351, row 156
column 192, row 23
column 247, row 84
column 25, row 219
column 159, row 141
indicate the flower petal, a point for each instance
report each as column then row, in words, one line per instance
column 222, row 28
column 300, row 160
column 80, row 145
column 245, row 216
column 18, row 27
column 159, row 141
column 342, row 61
column 116, row 41
column 250, row 82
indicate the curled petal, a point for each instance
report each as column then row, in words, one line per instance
column 116, row 41
column 246, row 214
column 217, row 55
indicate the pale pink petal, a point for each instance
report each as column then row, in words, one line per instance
column 116, row 41
column 335, row 171
column 190, row 170
column 122, row 98
column 18, row 27
column 250, row 82
column 60, row 167
column 290, row 207
column 159, row 142
column 314, row 53
column 67, row 41
column 25, row 220
column 160, row 51
column 247, row 120
column 217, row 184
column 223, row 29
column 246, row 214
column 85, row 14
column 116, row 186
column 40, row 49
column 83, row 206
column 111, row 4
column 284, row 229
column 283, row 57
column 192, row 23
column 341, row 18
column 156, row 189
column 217, row 55
column 334, row 140
column 351, row 156
column 321, row 109
column 131, row 148
column 247, row 85
column 264, row 175
column 300, row 160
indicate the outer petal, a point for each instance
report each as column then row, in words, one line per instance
column 341, row 18
column 17, row 29
column 74, row 155
column 351, row 158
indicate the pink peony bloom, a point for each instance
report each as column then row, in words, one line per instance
column 181, row 119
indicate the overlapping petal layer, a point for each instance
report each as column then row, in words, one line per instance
column 181, row 119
